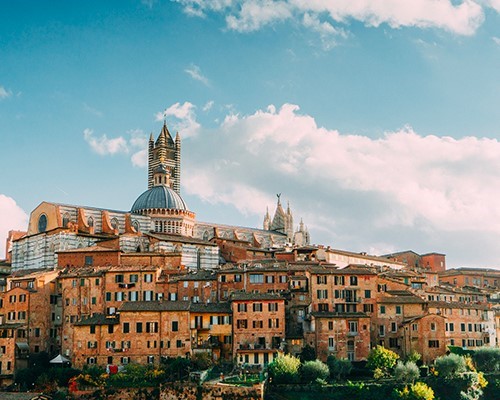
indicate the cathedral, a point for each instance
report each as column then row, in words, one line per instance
column 159, row 221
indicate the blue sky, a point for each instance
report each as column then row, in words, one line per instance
column 378, row 120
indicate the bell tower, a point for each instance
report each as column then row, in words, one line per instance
column 167, row 152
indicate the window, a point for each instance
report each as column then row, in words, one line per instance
column 93, row 300
column 111, row 328
column 138, row 327
column 92, row 329
column 148, row 295
column 393, row 342
column 119, row 278
column 223, row 278
column 322, row 294
column 241, row 324
column 398, row 310
column 179, row 343
column 133, row 296
column 272, row 307
column 323, row 307
column 152, row 327
column 353, row 327
column 237, row 278
column 382, row 309
column 257, row 307
column 394, row 327
column 37, row 332
column 91, row 360
column 108, row 296
column 331, row 343
column 89, row 260
column 368, row 294
column 175, row 326
column 367, row 308
column 126, row 327
column 462, row 327
column 433, row 326
column 381, row 330
column 242, row 307
column 269, row 278
column 257, row 324
column 414, row 327
column 125, row 360
column 330, row 325
column 339, row 280
column 282, row 278
column 148, row 278
column 321, row 279
column 274, row 323
column 433, row 343
column 151, row 359
column 22, row 298
column 134, row 278
column 256, row 278
column 185, row 284
column 353, row 280
column 119, row 296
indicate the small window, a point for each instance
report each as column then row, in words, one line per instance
column 175, row 326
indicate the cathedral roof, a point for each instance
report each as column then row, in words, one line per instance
column 160, row 196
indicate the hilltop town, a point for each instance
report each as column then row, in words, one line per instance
column 110, row 288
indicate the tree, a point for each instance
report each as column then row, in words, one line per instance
column 381, row 361
column 308, row 353
column 414, row 356
column 487, row 359
column 406, row 372
column 313, row 370
column 339, row 367
column 450, row 366
column 284, row 369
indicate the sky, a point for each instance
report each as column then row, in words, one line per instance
column 377, row 120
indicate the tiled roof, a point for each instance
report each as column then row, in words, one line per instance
column 178, row 238
column 98, row 319
column 200, row 275
column 242, row 296
column 326, row 314
column 164, row 305
column 223, row 307
column 456, row 304
column 401, row 297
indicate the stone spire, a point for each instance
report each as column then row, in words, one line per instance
column 267, row 220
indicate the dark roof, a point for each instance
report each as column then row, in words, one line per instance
column 242, row 296
column 200, row 275
column 326, row 314
column 178, row 238
column 98, row 319
column 223, row 307
column 334, row 270
column 159, row 197
column 164, row 305
column 456, row 304
column 401, row 296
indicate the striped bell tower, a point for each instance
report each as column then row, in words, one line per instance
column 166, row 150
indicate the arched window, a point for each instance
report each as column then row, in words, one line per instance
column 114, row 223
column 136, row 225
column 205, row 235
column 65, row 220
column 42, row 223
column 90, row 222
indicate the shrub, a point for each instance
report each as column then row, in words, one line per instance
column 339, row 368
column 201, row 361
column 308, row 353
column 284, row 369
column 414, row 356
column 487, row 359
column 313, row 370
column 450, row 366
column 406, row 372
column 418, row 391
column 381, row 361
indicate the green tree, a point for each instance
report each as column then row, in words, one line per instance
column 450, row 366
column 308, row 353
column 406, row 372
column 284, row 369
column 487, row 359
column 414, row 356
column 381, row 361
column 313, row 370
column 340, row 368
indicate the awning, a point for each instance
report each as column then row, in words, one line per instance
column 23, row 346
column 60, row 359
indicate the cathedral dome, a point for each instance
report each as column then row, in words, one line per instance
column 160, row 196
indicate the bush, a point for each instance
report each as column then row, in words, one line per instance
column 418, row 391
column 406, row 372
column 284, row 369
column 414, row 356
column 450, row 366
column 487, row 359
column 313, row 370
column 339, row 368
column 381, row 361
column 201, row 361
column 308, row 353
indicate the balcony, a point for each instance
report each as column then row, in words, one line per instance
column 352, row 333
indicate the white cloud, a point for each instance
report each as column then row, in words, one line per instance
column 103, row 145
column 195, row 72
column 92, row 110
column 184, row 118
column 208, row 106
column 13, row 218
column 461, row 18
column 4, row 93
column 496, row 40
column 351, row 188
column 135, row 143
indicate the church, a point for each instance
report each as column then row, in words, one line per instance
column 159, row 221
